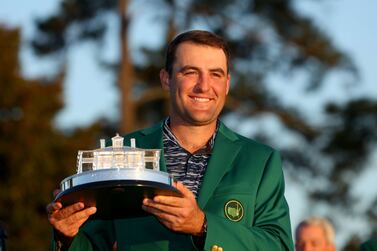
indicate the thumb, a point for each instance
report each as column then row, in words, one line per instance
column 184, row 190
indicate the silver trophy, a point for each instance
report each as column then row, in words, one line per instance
column 116, row 179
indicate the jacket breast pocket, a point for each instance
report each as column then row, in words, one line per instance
column 234, row 203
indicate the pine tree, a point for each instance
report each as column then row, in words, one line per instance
column 34, row 155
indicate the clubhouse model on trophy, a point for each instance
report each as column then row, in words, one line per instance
column 116, row 179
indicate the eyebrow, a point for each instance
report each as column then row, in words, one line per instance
column 190, row 67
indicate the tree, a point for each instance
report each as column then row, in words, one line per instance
column 34, row 155
column 77, row 21
column 88, row 16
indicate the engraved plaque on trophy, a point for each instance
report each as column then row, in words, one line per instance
column 116, row 179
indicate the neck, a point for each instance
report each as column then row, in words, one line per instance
column 192, row 137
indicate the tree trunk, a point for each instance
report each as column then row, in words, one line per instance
column 126, row 75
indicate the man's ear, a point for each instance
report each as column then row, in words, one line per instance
column 228, row 84
column 164, row 79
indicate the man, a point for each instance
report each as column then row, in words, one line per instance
column 233, row 187
column 315, row 234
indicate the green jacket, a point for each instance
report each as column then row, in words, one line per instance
column 242, row 195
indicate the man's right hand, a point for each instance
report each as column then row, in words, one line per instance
column 67, row 221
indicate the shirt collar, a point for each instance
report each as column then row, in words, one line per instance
column 207, row 149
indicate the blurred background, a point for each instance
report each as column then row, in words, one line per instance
column 303, row 81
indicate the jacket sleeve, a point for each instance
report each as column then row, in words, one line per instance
column 101, row 237
column 80, row 242
column 270, row 229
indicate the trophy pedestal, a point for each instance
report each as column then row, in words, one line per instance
column 116, row 192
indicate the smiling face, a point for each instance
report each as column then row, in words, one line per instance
column 198, row 84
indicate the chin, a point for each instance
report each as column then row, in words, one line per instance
column 202, row 121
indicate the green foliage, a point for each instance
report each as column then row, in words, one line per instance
column 351, row 137
column 54, row 30
column 34, row 156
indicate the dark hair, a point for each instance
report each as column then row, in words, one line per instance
column 197, row 37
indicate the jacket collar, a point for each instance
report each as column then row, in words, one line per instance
column 225, row 150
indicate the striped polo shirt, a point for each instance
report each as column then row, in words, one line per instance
column 186, row 167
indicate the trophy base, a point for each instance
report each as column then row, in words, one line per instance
column 117, row 193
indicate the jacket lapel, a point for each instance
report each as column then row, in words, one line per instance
column 224, row 152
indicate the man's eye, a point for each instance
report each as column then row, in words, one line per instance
column 216, row 74
column 190, row 72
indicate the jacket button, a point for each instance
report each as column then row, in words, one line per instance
column 217, row 248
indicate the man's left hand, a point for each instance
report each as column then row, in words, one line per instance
column 180, row 214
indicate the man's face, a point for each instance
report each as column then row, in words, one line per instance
column 198, row 84
column 312, row 238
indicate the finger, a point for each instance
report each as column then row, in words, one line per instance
column 70, row 226
column 168, row 200
column 163, row 204
column 159, row 210
column 175, row 183
column 76, row 219
column 83, row 215
column 53, row 207
column 151, row 210
column 184, row 190
column 165, row 218
column 69, row 210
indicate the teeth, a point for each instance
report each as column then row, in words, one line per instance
column 201, row 99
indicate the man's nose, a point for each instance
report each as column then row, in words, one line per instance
column 203, row 83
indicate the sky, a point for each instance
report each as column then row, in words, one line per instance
column 89, row 95
column 348, row 23
column 89, row 92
